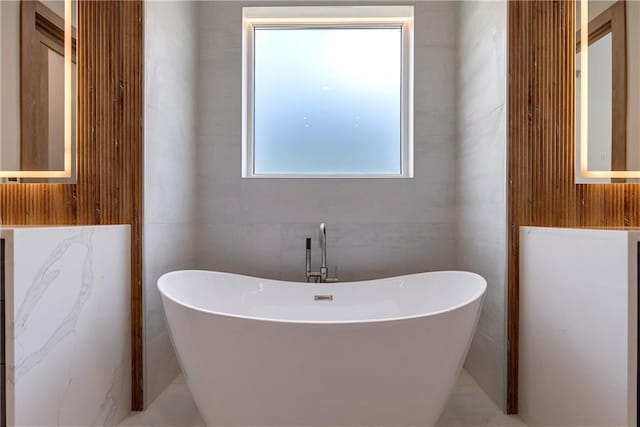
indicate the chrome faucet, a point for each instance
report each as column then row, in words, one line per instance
column 322, row 276
column 323, row 247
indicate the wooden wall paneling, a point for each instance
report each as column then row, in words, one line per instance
column 541, row 149
column 110, row 148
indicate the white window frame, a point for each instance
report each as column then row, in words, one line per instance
column 327, row 17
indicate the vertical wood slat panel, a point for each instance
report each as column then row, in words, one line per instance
column 541, row 120
column 109, row 150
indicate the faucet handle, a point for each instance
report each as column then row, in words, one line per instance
column 333, row 279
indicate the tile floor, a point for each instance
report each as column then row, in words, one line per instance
column 469, row 406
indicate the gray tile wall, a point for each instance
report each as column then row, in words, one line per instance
column 375, row 227
column 482, row 181
column 170, row 158
column 452, row 215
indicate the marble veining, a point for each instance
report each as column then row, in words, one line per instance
column 68, row 329
column 44, row 278
column 170, row 157
column 108, row 413
column 481, row 205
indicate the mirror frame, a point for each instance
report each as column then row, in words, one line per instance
column 584, row 104
column 68, row 175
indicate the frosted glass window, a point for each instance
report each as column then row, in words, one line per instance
column 327, row 101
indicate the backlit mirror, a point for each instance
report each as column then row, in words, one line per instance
column 38, row 90
column 607, row 91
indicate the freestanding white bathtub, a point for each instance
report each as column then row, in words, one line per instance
column 259, row 352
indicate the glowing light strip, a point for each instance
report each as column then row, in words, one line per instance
column 312, row 21
column 584, row 104
column 68, row 68
column 34, row 174
column 611, row 174
column 0, row 83
column 68, row 105
column 584, row 87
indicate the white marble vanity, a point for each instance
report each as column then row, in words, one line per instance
column 578, row 326
column 67, row 311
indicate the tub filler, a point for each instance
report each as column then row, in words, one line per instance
column 259, row 352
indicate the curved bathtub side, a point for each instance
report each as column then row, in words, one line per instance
column 248, row 372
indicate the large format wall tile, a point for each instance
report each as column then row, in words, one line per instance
column 69, row 340
column 376, row 227
column 170, row 158
column 481, row 181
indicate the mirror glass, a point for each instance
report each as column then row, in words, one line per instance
column 607, row 91
column 37, row 90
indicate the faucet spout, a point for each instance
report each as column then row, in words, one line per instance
column 321, row 276
column 323, row 248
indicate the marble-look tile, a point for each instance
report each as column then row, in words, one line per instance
column 481, row 209
column 167, row 59
column 482, row 78
column 468, row 406
column 161, row 363
column 170, row 112
column 174, row 407
column 171, row 70
column 167, row 247
column 69, row 338
column 169, row 168
column 6, row 235
column 578, row 326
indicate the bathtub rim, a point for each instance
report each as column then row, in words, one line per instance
column 479, row 295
